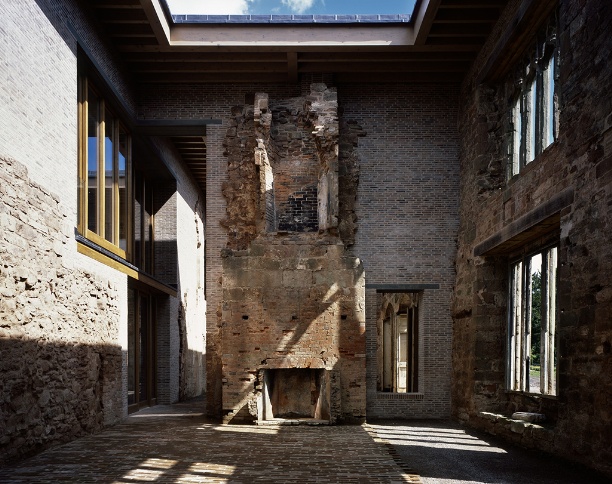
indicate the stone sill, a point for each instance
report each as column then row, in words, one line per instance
column 518, row 426
column 535, row 396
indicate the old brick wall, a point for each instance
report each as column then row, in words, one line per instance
column 407, row 220
column 292, row 301
column 197, row 102
column 578, row 162
column 405, row 213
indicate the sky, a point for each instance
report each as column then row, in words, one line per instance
column 287, row 7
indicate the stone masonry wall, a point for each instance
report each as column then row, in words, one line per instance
column 60, row 359
column 83, row 386
column 579, row 162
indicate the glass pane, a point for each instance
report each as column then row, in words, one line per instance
column 108, row 177
column 131, row 346
column 516, row 138
column 549, row 102
column 515, row 330
column 535, row 348
column 144, row 349
column 387, row 356
column 531, row 123
column 122, row 181
column 551, row 354
column 92, row 160
column 148, row 229
column 138, row 208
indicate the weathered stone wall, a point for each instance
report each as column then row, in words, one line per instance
column 60, row 358
column 578, row 162
column 67, row 355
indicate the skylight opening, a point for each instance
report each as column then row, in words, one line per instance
column 287, row 10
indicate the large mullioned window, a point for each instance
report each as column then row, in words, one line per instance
column 532, row 321
column 534, row 106
column 104, row 172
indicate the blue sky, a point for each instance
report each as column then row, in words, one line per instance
column 285, row 7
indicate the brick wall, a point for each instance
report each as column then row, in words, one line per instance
column 579, row 421
column 407, row 221
column 406, row 215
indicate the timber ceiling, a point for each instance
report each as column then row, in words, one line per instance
column 452, row 33
column 439, row 45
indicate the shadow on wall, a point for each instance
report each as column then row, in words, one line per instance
column 293, row 307
column 51, row 393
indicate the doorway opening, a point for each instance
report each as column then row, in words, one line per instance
column 142, row 343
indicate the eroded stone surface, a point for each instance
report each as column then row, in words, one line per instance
column 59, row 358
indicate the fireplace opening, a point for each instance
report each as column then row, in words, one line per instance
column 295, row 394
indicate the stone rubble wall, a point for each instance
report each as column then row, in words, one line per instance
column 60, row 359
column 579, row 421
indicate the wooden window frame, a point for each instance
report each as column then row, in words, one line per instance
column 99, row 237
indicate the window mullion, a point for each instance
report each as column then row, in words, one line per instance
column 544, row 347
column 101, row 175
column 115, row 191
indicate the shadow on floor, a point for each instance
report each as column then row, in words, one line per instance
column 444, row 452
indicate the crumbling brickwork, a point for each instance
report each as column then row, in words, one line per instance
column 575, row 167
column 293, row 302
column 290, row 301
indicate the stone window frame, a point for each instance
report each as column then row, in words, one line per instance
column 519, row 333
column 97, row 235
column 533, row 111
column 391, row 310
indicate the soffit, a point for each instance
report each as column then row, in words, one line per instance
column 438, row 45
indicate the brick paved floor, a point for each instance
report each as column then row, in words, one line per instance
column 176, row 444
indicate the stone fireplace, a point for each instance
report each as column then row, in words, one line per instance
column 293, row 317
column 298, row 394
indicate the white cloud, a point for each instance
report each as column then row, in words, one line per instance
column 298, row 6
column 209, row 7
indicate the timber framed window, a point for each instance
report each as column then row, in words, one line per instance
column 534, row 105
column 398, row 348
column 104, row 172
column 532, row 318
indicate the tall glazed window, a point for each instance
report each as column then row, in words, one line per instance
column 104, row 172
column 532, row 317
column 533, row 110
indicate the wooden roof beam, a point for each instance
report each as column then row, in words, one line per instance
column 156, row 15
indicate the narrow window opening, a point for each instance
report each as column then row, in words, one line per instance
column 532, row 361
column 399, row 345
